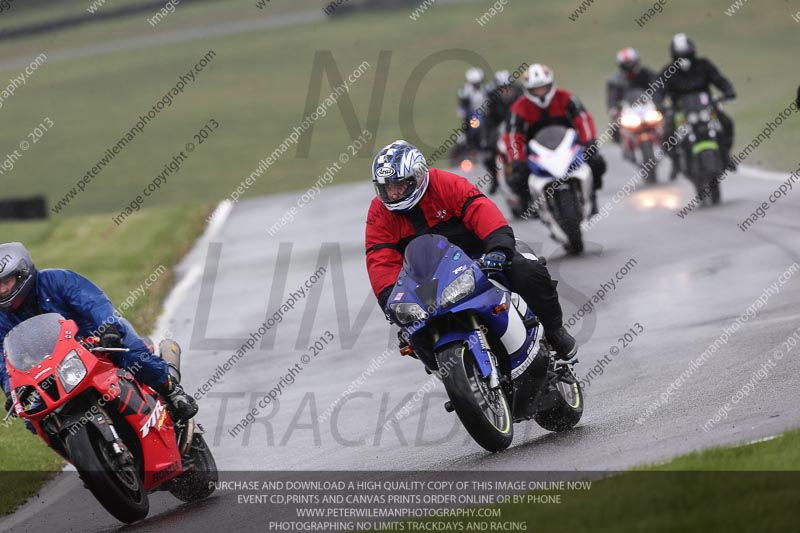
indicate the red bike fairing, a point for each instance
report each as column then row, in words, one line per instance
column 115, row 389
column 527, row 119
column 452, row 207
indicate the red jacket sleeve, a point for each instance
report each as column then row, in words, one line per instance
column 582, row 120
column 384, row 259
column 516, row 137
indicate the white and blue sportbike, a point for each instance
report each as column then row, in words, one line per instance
column 561, row 184
column 484, row 343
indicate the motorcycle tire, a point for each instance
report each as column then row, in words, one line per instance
column 564, row 401
column 710, row 162
column 568, row 217
column 120, row 492
column 485, row 413
column 648, row 154
column 199, row 482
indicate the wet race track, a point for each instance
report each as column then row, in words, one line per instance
column 679, row 283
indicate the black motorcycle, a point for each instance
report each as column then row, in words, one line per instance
column 700, row 154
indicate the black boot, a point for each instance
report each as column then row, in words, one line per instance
column 562, row 343
column 674, row 171
column 594, row 204
column 182, row 405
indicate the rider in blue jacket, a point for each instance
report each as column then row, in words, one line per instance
column 26, row 292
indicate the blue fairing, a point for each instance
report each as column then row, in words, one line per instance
column 431, row 264
column 475, row 347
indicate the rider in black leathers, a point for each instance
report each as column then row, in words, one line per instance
column 631, row 75
column 695, row 75
column 502, row 95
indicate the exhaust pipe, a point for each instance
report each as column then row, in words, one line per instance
column 171, row 353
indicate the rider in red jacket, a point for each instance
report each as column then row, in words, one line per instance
column 544, row 104
column 413, row 200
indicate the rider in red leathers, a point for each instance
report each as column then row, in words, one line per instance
column 413, row 200
column 544, row 104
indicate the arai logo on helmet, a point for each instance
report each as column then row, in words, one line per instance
column 385, row 172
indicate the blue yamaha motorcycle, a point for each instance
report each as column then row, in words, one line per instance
column 483, row 342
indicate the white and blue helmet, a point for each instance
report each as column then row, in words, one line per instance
column 400, row 163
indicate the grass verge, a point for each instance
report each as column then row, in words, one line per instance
column 118, row 259
column 737, row 488
column 257, row 85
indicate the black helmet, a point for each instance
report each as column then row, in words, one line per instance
column 682, row 46
column 16, row 261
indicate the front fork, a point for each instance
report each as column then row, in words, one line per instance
column 494, row 376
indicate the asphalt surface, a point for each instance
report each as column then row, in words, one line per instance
column 691, row 279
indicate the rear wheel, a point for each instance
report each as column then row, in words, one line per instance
column 484, row 412
column 198, row 482
column 116, row 484
column 568, row 217
column 561, row 406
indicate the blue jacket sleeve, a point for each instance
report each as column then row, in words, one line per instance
column 5, row 327
column 89, row 301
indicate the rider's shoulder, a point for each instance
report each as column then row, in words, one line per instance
column 57, row 276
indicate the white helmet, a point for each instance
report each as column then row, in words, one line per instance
column 475, row 76
column 538, row 76
column 502, row 77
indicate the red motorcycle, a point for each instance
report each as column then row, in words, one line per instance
column 641, row 132
column 117, row 432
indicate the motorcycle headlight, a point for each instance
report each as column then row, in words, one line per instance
column 705, row 115
column 474, row 122
column 629, row 120
column 692, row 118
column 407, row 313
column 458, row 289
column 71, row 371
column 652, row 116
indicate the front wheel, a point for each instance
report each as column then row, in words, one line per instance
column 484, row 412
column 711, row 165
column 115, row 483
column 568, row 216
column 648, row 161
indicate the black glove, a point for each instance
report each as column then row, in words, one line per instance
column 110, row 336
column 494, row 260
column 596, row 160
column 519, row 171
column 10, row 405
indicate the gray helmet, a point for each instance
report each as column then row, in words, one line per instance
column 16, row 261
